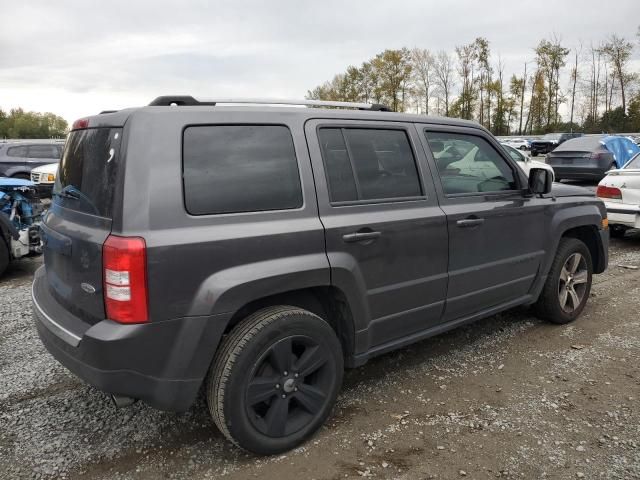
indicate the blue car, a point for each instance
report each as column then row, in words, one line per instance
column 20, row 215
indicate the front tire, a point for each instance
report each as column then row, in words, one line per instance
column 566, row 291
column 275, row 379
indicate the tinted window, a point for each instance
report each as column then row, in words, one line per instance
column 17, row 151
column 88, row 169
column 43, row 151
column 368, row 164
column 469, row 164
column 240, row 168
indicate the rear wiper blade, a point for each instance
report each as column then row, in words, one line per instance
column 68, row 194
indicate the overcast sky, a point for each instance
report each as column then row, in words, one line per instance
column 77, row 58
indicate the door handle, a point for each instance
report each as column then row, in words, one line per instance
column 470, row 222
column 366, row 236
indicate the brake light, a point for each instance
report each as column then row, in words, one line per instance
column 598, row 155
column 609, row 192
column 80, row 123
column 124, row 261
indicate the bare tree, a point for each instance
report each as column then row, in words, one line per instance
column 574, row 79
column 618, row 50
column 423, row 71
column 467, row 55
column 444, row 71
column 524, row 87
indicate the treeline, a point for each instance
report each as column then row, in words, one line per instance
column 595, row 86
column 20, row 124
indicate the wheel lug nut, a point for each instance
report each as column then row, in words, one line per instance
column 295, row 389
column 285, row 373
column 284, row 396
column 277, row 385
column 295, row 375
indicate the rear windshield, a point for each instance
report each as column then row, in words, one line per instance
column 88, row 170
column 580, row 144
column 634, row 162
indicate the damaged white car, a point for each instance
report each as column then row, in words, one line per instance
column 620, row 190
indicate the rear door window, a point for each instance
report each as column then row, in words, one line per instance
column 88, row 171
column 43, row 151
column 369, row 164
column 239, row 168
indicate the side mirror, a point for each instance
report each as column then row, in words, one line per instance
column 540, row 180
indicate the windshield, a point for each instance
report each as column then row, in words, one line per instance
column 551, row 136
column 634, row 162
column 87, row 171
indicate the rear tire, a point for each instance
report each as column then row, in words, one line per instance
column 568, row 284
column 275, row 379
column 534, row 154
column 4, row 255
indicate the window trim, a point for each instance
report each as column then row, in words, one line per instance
column 303, row 203
column 456, row 130
column 352, row 126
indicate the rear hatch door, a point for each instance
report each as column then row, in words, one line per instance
column 80, row 219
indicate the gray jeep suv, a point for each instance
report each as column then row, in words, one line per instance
column 255, row 251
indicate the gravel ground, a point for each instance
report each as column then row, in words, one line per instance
column 508, row 397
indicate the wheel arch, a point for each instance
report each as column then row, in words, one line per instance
column 327, row 301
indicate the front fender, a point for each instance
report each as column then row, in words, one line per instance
column 226, row 291
column 586, row 215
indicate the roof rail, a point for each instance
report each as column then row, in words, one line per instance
column 186, row 100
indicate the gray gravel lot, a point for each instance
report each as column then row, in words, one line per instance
column 508, row 397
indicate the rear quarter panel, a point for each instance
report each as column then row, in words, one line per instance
column 209, row 264
column 629, row 185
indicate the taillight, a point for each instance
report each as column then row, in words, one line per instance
column 598, row 155
column 124, row 261
column 609, row 192
column 80, row 123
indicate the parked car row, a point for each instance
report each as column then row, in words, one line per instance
column 590, row 157
column 550, row 142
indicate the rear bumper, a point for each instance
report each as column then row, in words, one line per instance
column 577, row 172
column 623, row 214
column 161, row 363
column 579, row 168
